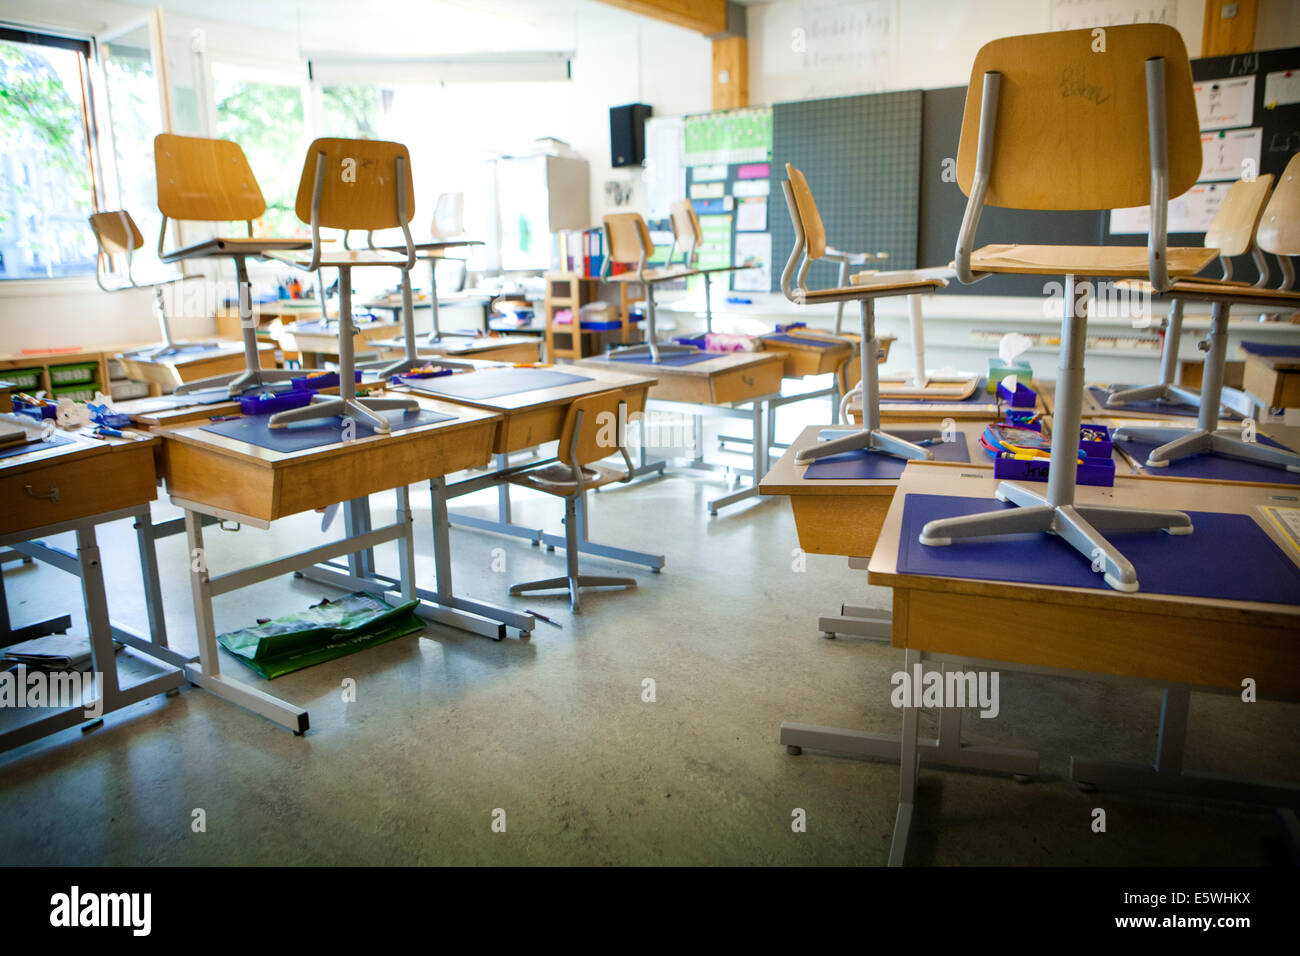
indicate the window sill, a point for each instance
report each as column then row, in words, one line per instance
column 72, row 285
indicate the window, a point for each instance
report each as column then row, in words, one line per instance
column 47, row 172
column 264, row 115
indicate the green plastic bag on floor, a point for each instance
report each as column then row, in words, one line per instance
column 321, row 633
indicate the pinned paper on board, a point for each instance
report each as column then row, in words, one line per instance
column 1225, row 103
column 1281, row 88
column 749, row 188
column 1190, row 212
column 1231, row 154
column 753, row 248
column 708, row 190
column 751, row 215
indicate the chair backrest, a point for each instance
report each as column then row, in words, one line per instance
column 686, row 227
column 1071, row 120
column 205, row 180
column 806, row 209
column 449, row 216
column 601, row 423
column 1279, row 227
column 359, row 184
column 627, row 237
column 115, row 232
column 1232, row 230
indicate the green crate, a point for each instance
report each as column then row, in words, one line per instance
column 76, row 374
column 78, row 393
column 24, row 378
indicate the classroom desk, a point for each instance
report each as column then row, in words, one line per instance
column 233, row 480
column 729, row 385
column 74, row 487
column 496, row 348
column 317, row 340
column 1273, row 379
column 164, row 372
column 1180, row 643
column 1205, row 468
column 534, row 417
column 986, row 408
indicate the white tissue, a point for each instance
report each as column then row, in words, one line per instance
column 1012, row 346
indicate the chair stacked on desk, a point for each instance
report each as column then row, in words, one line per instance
column 628, row 242
column 353, row 184
column 1232, row 232
column 688, row 236
column 209, row 180
column 1030, row 140
column 1278, row 232
column 809, row 246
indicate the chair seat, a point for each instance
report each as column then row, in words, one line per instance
column 882, row 284
column 334, row 258
column 657, row 275
column 1103, row 261
column 234, row 245
column 557, row 479
column 1216, row 290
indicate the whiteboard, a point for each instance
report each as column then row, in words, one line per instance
column 664, row 175
column 1085, row 14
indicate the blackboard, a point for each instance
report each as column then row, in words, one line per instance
column 860, row 155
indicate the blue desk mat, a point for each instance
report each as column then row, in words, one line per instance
column 256, row 430
column 978, row 397
column 37, row 445
column 493, row 383
column 1226, row 556
column 1213, row 467
column 1271, row 351
column 797, row 340
column 680, row 358
column 874, row 464
column 1155, row 408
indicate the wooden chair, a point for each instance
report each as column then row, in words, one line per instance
column 627, row 241
column 1232, row 232
column 591, row 433
column 1278, row 232
column 1057, row 121
column 810, row 245
column 116, row 234
column 209, row 180
column 353, row 184
column 448, row 230
column 688, row 236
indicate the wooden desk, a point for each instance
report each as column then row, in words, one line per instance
column 74, row 487
column 988, row 411
column 165, row 372
column 731, row 385
column 210, row 474
column 496, row 348
column 530, row 418
column 285, row 311
column 1126, row 465
column 1180, row 643
column 844, row 516
column 314, row 343
column 1273, row 379
column 730, row 378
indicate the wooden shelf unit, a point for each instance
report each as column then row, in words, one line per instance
column 568, row 290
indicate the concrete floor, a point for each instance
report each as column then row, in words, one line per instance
column 447, row 727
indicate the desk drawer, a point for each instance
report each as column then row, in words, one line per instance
column 86, row 486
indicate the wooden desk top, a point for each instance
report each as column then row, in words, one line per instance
column 723, row 380
column 1128, row 492
column 896, row 411
column 601, row 380
column 222, row 475
column 1198, row 641
column 78, row 479
column 786, row 477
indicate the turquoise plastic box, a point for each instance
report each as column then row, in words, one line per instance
column 998, row 370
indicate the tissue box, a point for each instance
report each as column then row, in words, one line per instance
column 998, row 370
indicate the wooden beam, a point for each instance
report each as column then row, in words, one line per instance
column 730, row 73
column 708, row 17
column 1234, row 34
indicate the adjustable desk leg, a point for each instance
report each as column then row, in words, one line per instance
column 206, row 672
column 1166, row 774
column 101, row 630
column 144, row 537
column 907, row 768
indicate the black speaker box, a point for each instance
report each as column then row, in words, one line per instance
column 627, row 134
